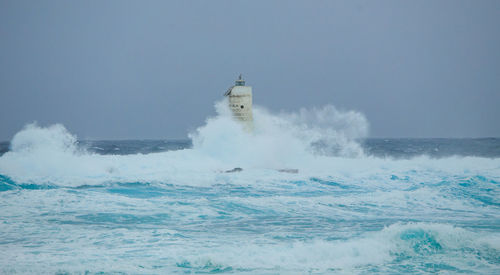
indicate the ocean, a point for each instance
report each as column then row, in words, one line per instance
column 311, row 195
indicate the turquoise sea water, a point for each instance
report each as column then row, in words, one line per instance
column 170, row 207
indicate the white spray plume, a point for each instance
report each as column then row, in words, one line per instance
column 281, row 139
column 52, row 139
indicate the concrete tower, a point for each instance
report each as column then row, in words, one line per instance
column 240, row 102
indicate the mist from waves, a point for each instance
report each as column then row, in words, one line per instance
column 281, row 138
column 286, row 140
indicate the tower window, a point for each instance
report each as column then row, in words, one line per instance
column 242, row 106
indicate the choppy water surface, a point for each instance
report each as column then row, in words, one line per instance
column 163, row 207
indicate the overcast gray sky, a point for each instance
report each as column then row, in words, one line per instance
column 152, row 69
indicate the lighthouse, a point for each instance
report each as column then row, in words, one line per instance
column 240, row 102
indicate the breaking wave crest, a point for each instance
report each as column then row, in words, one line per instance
column 54, row 139
column 287, row 140
column 440, row 247
column 394, row 249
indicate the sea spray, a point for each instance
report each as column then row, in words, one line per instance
column 52, row 139
column 281, row 140
column 317, row 141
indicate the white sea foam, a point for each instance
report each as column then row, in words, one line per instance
column 328, row 218
column 317, row 141
column 435, row 242
column 50, row 154
column 131, row 251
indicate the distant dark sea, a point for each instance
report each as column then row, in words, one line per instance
column 377, row 147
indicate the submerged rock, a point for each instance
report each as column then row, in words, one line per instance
column 237, row 169
column 291, row 171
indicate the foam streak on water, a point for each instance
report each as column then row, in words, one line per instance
column 66, row 210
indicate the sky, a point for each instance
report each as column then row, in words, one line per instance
column 153, row 69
